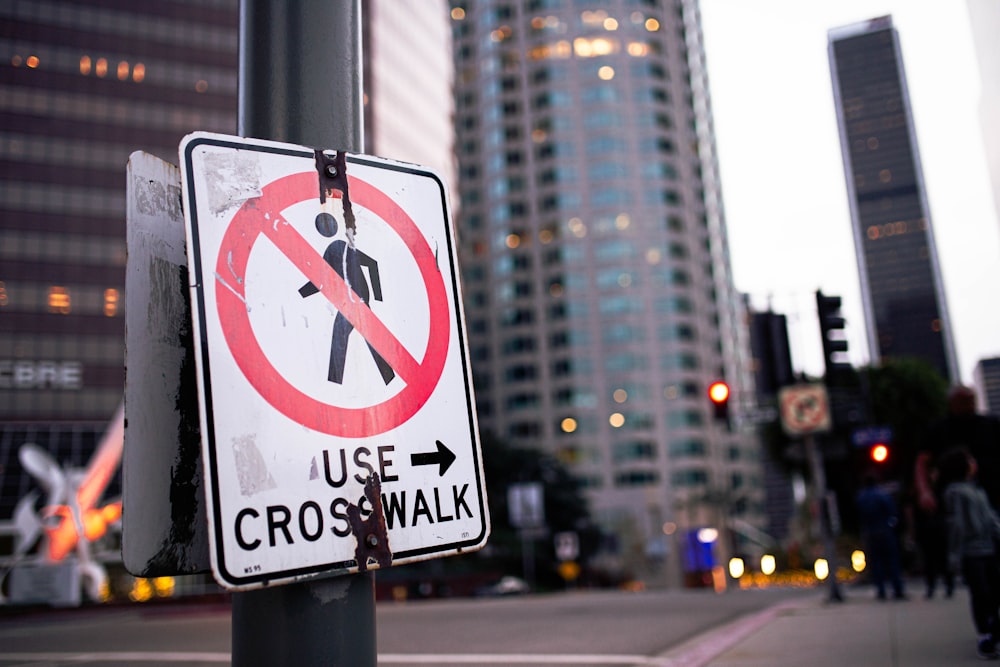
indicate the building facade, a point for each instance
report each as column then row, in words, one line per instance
column 901, row 284
column 82, row 86
column 984, row 21
column 596, row 269
column 987, row 381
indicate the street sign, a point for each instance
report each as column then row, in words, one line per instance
column 804, row 409
column 164, row 530
column 871, row 435
column 338, row 422
column 525, row 505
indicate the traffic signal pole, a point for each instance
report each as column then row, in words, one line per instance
column 815, row 459
column 300, row 81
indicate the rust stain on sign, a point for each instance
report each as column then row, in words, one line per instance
column 371, row 533
column 333, row 179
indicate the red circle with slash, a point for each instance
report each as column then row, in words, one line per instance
column 261, row 216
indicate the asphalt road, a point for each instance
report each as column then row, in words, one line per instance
column 577, row 628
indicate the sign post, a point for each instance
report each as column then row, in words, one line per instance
column 805, row 411
column 279, row 102
column 331, row 410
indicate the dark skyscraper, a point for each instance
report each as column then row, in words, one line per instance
column 901, row 285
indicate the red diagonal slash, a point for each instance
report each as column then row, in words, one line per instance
column 291, row 244
column 262, row 217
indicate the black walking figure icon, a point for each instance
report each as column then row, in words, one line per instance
column 347, row 261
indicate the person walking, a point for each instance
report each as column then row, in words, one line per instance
column 973, row 528
column 879, row 519
column 961, row 427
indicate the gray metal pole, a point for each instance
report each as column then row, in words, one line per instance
column 819, row 486
column 300, row 81
column 301, row 72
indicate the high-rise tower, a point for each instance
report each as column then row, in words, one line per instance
column 596, row 269
column 901, row 284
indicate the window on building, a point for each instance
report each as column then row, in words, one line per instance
column 636, row 478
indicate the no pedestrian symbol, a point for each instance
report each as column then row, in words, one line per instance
column 804, row 409
column 332, row 364
column 253, row 222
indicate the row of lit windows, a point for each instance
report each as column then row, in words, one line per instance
column 99, row 350
column 509, row 85
column 89, row 403
column 61, row 299
column 119, row 66
column 512, row 317
column 183, row 34
column 583, row 367
column 896, row 228
column 616, row 250
column 582, row 396
column 629, row 420
column 114, row 111
column 61, row 248
column 498, row 112
column 591, row 18
column 572, row 284
column 586, row 425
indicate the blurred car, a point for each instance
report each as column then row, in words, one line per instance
column 507, row 585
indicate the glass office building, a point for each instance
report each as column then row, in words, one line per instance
column 82, row 86
column 596, row 269
column 901, row 284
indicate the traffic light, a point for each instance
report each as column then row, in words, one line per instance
column 879, row 453
column 831, row 326
column 718, row 393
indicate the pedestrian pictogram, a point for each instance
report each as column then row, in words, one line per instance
column 347, row 261
column 255, row 220
column 804, row 409
column 332, row 363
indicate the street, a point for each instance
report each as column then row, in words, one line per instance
column 576, row 628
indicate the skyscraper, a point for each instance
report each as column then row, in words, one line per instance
column 596, row 268
column 987, row 381
column 984, row 19
column 901, row 285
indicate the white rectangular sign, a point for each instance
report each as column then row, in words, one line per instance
column 338, row 421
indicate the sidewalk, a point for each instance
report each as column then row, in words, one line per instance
column 858, row 632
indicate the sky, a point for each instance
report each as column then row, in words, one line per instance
column 783, row 177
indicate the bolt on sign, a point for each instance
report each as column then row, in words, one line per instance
column 338, row 423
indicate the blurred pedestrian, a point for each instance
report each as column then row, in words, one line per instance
column 973, row 528
column 879, row 520
column 961, row 427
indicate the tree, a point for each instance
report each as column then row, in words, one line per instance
column 908, row 395
column 565, row 506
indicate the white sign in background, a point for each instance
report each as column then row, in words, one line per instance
column 285, row 464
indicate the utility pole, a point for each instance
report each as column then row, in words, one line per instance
column 300, row 81
column 826, row 529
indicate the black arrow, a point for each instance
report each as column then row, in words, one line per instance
column 443, row 457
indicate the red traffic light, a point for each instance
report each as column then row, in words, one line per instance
column 879, row 453
column 718, row 392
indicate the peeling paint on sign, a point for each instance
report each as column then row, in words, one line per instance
column 250, row 466
column 238, row 179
